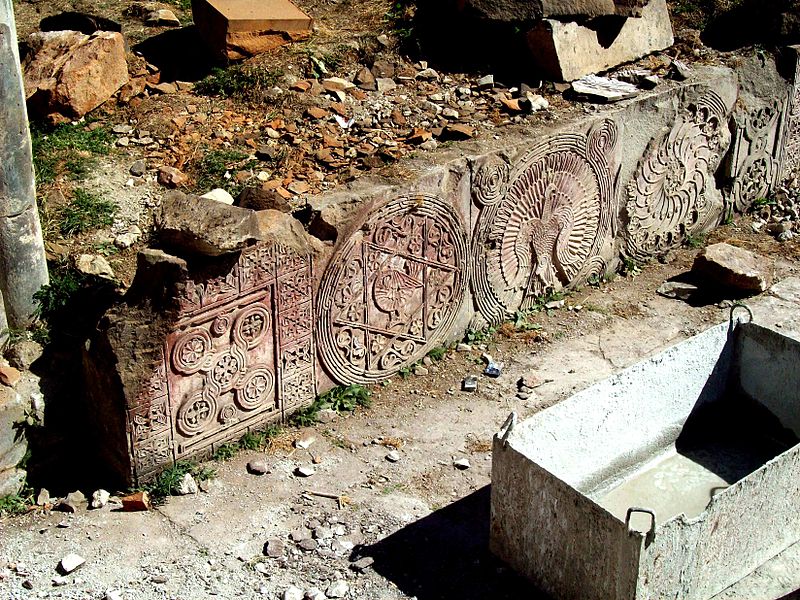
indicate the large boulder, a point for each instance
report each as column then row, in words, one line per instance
column 12, row 441
column 67, row 74
column 734, row 269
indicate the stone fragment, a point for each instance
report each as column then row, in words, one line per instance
column 532, row 10
column 461, row 464
column 428, row 75
column 171, row 177
column 733, row 268
column 202, row 226
column 9, row 376
column 70, row 562
column 337, row 84
column 463, row 347
column 43, row 498
column 421, row 371
column 337, row 589
column 113, row 595
column 187, row 485
column 95, row 265
column 73, row 502
column 679, row 71
column 469, row 384
column 677, row 289
column 136, row 502
column 258, row 467
column 366, row 80
column 219, row 195
column 236, row 29
column 315, row 112
column 323, row 533
column 163, row 16
column 12, row 480
column 362, row 564
column 487, row 81
column 604, row 89
column 23, row 354
column 304, row 471
column 327, row 415
column 126, row 240
column 458, row 131
column 293, row 593
column 385, row 84
column 138, row 168
column 274, row 548
column 568, row 50
column 308, row 544
column 67, row 74
column 161, row 88
column 393, row 456
column 262, row 198
column 315, row 594
column 100, row 498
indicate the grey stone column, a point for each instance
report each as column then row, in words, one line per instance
column 23, row 268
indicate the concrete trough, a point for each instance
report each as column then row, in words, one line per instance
column 673, row 479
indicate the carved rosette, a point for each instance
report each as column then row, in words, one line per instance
column 548, row 228
column 241, row 354
column 392, row 291
column 755, row 156
column 667, row 198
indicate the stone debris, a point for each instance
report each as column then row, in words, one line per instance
column 493, row 369
column 732, row 268
column 554, row 305
column 163, row 16
column 9, row 375
column 305, row 442
column 462, row 347
column 304, row 471
column 128, row 239
column 95, row 265
column 73, row 502
column 139, row 501
column 219, row 195
column 780, row 215
column 274, row 548
column 113, row 595
column 604, row 89
column 315, row 594
column 677, row 289
column 469, row 383
column 362, row 565
column 293, row 593
column 70, row 562
column 462, row 464
column 187, row 485
column 337, row 589
column 23, row 354
column 100, row 498
column 393, row 456
column 258, row 467
column 679, row 71
column 171, row 177
column 67, row 74
column 43, row 498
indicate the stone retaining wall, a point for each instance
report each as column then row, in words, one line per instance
column 206, row 347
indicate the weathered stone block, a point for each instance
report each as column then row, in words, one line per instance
column 68, row 74
column 733, row 269
column 791, row 145
column 527, row 10
column 568, row 50
column 13, row 444
column 236, row 29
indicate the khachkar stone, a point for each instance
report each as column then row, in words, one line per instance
column 791, row 149
column 392, row 290
column 672, row 195
column 544, row 223
column 755, row 155
column 23, row 269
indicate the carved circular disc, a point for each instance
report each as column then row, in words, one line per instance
column 196, row 414
column 392, row 291
column 226, row 369
column 190, row 351
column 252, row 326
column 256, row 389
column 549, row 226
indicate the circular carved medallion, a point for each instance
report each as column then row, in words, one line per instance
column 196, row 414
column 256, row 389
column 189, row 352
column 252, row 326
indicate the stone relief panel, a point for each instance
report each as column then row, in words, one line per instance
column 755, row 155
column 668, row 197
column 791, row 149
column 544, row 222
column 241, row 354
column 392, row 291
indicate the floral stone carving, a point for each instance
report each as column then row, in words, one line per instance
column 544, row 222
column 241, row 354
column 791, row 150
column 755, row 156
column 667, row 199
column 392, row 290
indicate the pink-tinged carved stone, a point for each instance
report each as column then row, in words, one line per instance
column 755, row 156
column 667, row 200
column 544, row 226
column 392, row 290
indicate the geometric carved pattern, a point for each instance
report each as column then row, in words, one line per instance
column 667, row 196
column 241, row 354
column 755, row 157
column 392, row 291
column 543, row 224
column 791, row 147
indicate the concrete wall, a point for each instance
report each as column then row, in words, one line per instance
column 458, row 239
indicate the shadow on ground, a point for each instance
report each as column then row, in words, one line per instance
column 180, row 54
column 446, row 556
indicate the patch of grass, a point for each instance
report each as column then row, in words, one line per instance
column 522, row 323
column 695, row 241
column 184, row 5
column 479, row 335
column 166, row 484
column 252, row 440
column 630, row 267
column 240, row 82
column 759, row 202
column 225, row 452
column 86, row 212
column 437, row 353
column 67, row 146
column 405, row 372
column 15, row 504
column 213, row 165
column 56, row 295
column 341, row 399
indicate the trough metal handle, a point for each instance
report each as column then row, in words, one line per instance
column 509, row 424
column 651, row 534
column 734, row 321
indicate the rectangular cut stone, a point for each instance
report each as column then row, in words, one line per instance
column 527, row 10
column 235, row 29
column 568, row 50
column 791, row 148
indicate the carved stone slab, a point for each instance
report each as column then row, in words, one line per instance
column 240, row 355
column 667, row 199
column 542, row 223
column 392, row 290
column 791, row 150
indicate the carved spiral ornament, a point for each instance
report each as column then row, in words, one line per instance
column 548, row 228
column 392, row 291
column 666, row 200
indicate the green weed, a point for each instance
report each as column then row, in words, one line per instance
column 66, row 146
column 211, row 169
column 87, row 211
column 758, row 202
column 341, row 399
column 225, row 452
column 15, row 504
column 437, row 353
column 695, row 241
column 53, row 297
column 252, row 441
column 166, row 484
column 479, row 335
column 240, row 82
